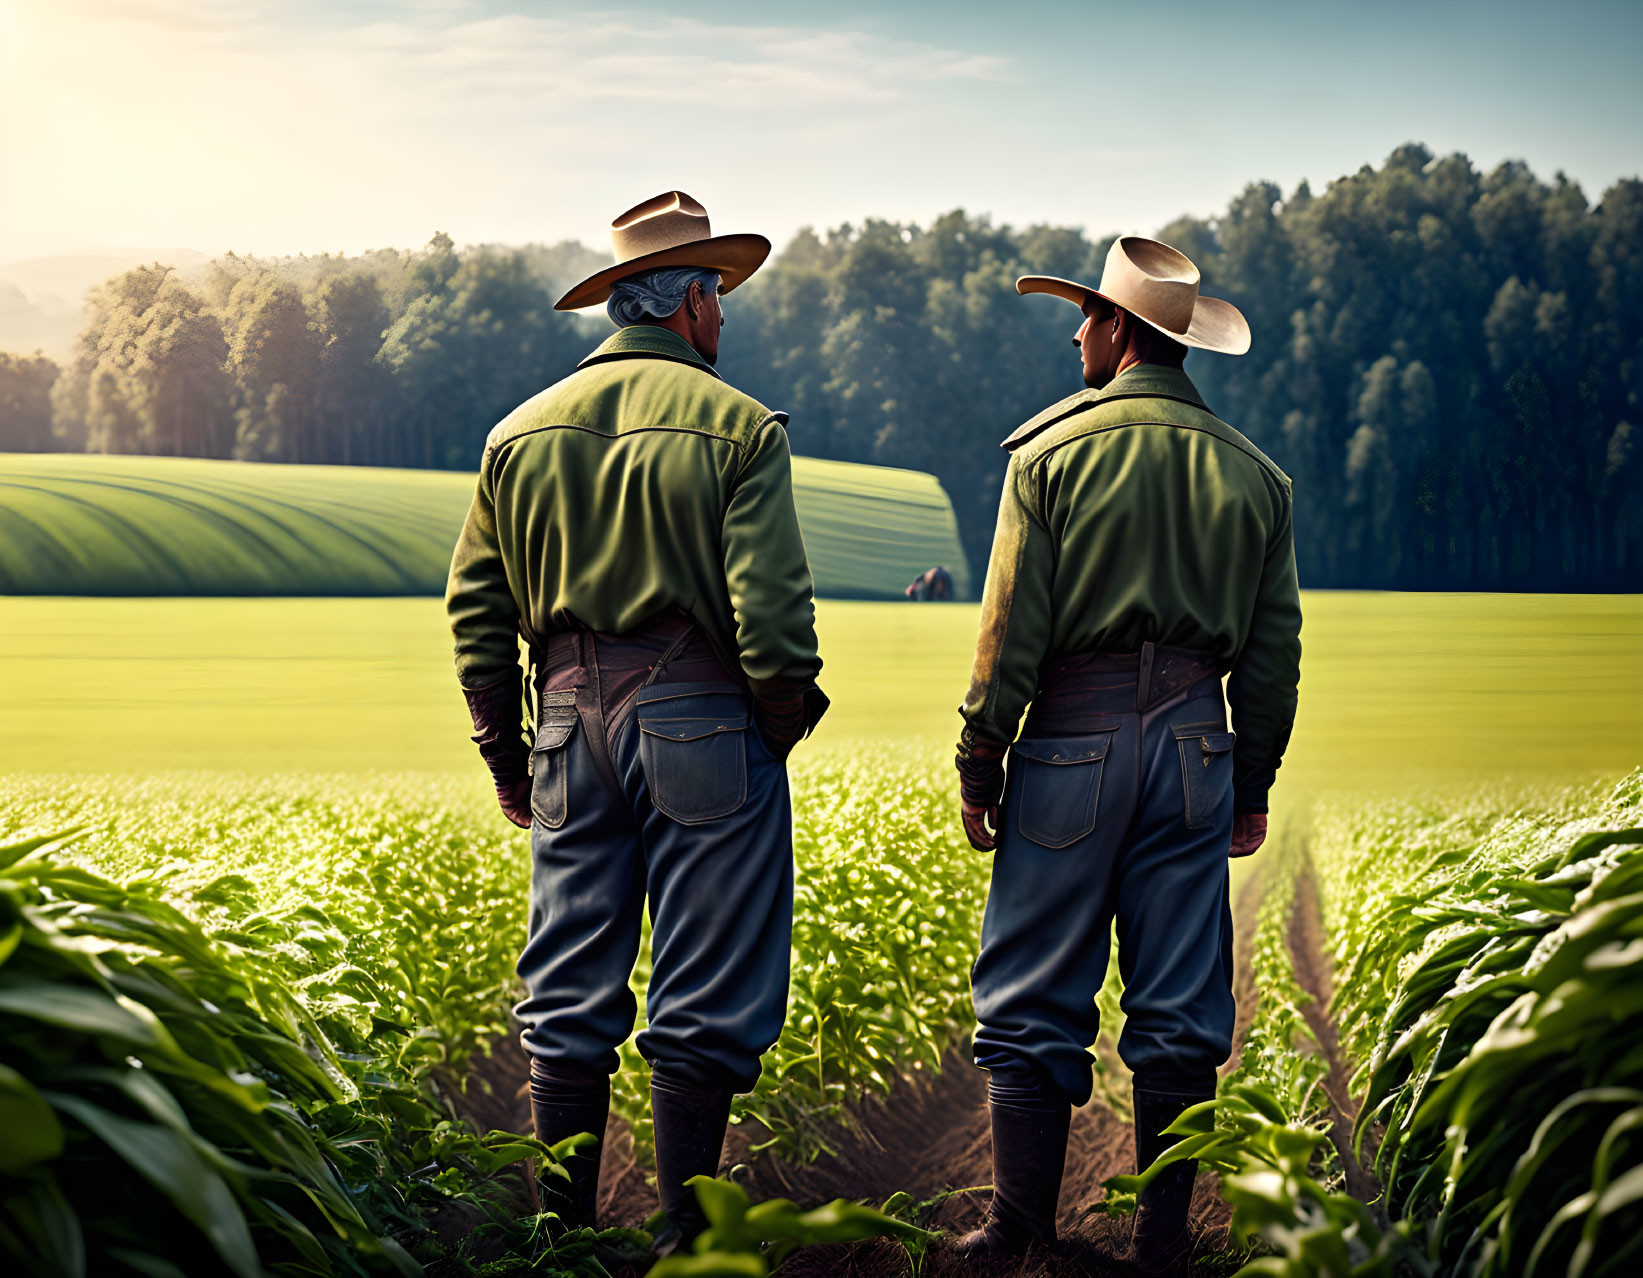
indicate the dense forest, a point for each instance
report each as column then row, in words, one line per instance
column 1448, row 363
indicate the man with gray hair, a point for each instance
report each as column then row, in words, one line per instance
column 634, row 524
column 656, row 295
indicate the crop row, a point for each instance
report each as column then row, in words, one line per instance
column 1487, row 987
column 1490, row 988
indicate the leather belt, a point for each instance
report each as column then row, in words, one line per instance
column 1076, row 691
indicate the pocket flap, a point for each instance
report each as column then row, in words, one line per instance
column 555, row 731
column 695, row 727
column 1212, row 738
column 1065, row 750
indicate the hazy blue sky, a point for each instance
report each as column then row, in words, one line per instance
column 304, row 127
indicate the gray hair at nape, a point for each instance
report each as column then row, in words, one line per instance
column 655, row 294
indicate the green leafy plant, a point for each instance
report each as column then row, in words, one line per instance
column 1268, row 1163
column 1488, row 974
column 1506, row 1081
column 749, row 1240
column 173, row 1104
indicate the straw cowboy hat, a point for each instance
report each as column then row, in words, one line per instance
column 1159, row 286
column 670, row 229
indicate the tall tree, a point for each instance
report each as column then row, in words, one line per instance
column 177, row 385
column 274, row 354
column 25, row 403
column 350, row 318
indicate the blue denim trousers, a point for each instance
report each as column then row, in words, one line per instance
column 702, row 827
column 1131, row 820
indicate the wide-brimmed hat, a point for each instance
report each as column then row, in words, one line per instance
column 670, row 229
column 1159, row 286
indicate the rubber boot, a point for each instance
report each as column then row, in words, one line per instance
column 567, row 1099
column 1029, row 1156
column 690, row 1136
column 1160, row 1238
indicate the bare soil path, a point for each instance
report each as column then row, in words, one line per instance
column 1315, row 973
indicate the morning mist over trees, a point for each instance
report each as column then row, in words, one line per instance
column 1448, row 363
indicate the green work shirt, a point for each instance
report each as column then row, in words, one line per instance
column 1133, row 514
column 639, row 483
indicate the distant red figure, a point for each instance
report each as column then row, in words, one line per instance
column 932, row 584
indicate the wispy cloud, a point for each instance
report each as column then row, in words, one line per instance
column 617, row 58
column 440, row 47
column 373, row 123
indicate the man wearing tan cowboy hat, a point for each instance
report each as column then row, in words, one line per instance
column 1143, row 551
column 634, row 524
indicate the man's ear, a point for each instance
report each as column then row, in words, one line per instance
column 695, row 299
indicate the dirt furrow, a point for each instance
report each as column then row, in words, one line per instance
column 1315, row 973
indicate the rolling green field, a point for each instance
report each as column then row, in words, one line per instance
column 79, row 524
column 1398, row 691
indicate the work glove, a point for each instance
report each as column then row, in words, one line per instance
column 980, row 763
column 1248, row 833
column 498, row 717
column 787, row 712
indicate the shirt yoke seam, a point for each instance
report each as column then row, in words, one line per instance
column 500, row 446
column 1263, row 462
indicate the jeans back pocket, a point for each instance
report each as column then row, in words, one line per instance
column 1060, row 786
column 548, row 758
column 693, row 750
column 1206, row 770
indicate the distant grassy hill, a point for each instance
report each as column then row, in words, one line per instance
column 82, row 524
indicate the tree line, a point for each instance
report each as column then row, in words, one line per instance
column 392, row 358
column 1448, row 363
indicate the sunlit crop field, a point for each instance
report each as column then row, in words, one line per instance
column 282, row 817
column 1398, row 691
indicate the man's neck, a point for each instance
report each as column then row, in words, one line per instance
column 1125, row 365
column 1134, row 359
column 1131, row 360
column 679, row 326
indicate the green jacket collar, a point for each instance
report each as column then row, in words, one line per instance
column 642, row 341
column 1154, row 381
column 1144, row 381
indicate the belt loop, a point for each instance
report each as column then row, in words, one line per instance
column 1143, row 676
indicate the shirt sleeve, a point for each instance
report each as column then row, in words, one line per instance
column 766, row 571
column 484, row 617
column 1015, row 612
column 1262, row 691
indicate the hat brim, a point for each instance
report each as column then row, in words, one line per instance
column 1216, row 325
column 735, row 257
